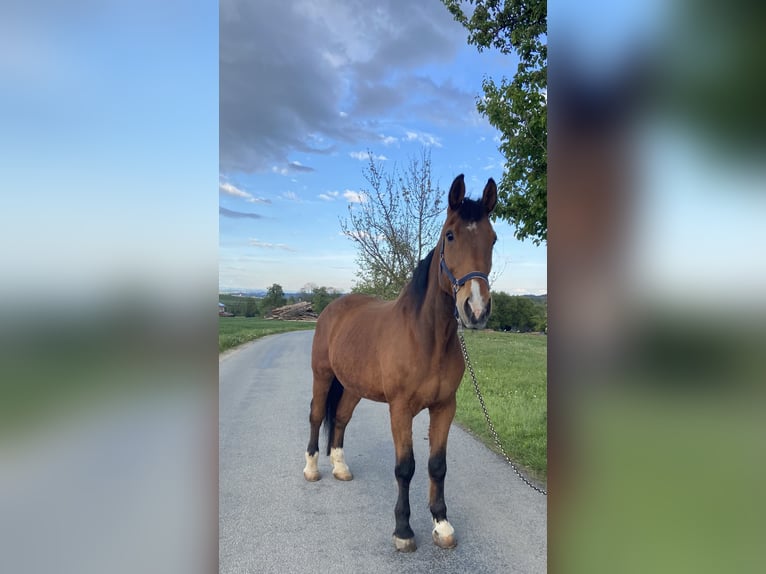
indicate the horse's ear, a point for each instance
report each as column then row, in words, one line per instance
column 456, row 192
column 489, row 199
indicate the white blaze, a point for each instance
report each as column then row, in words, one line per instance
column 475, row 300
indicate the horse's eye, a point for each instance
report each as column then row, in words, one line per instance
column 450, row 236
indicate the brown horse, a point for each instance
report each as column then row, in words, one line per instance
column 406, row 353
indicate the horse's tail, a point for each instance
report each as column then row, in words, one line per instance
column 333, row 398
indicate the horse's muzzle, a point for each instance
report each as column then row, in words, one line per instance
column 472, row 320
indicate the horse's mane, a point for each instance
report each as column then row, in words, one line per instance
column 418, row 285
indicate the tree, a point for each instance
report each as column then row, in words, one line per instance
column 251, row 308
column 519, row 108
column 516, row 313
column 320, row 299
column 394, row 226
column 275, row 297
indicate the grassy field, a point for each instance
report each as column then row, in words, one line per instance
column 233, row 331
column 511, row 369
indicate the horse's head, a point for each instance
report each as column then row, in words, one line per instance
column 466, row 252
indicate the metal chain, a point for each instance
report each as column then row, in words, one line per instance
column 486, row 416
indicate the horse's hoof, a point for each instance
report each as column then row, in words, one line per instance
column 310, row 471
column 339, row 467
column 405, row 544
column 311, row 476
column 444, row 535
column 343, row 474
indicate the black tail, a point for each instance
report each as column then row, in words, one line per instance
column 333, row 398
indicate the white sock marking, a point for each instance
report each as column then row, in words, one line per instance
column 443, row 528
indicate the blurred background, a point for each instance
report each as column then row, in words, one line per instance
column 108, row 354
column 656, row 286
column 108, row 334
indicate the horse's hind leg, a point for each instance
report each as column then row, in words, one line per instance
column 316, row 416
column 441, row 418
column 346, row 407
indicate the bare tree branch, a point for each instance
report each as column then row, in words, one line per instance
column 395, row 225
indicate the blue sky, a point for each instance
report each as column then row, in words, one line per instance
column 307, row 89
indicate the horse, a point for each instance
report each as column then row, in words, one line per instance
column 406, row 353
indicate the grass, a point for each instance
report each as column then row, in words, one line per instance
column 511, row 369
column 234, row 331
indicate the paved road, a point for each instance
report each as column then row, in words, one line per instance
column 272, row 520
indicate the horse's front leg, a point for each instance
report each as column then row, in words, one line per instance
column 441, row 418
column 401, row 428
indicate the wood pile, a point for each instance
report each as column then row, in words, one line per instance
column 297, row 312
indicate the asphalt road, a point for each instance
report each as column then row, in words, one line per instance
column 272, row 520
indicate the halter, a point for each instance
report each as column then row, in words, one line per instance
column 458, row 283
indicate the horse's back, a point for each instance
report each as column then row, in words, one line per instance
column 351, row 308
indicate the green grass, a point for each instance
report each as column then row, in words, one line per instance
column 511, row 369
column 234, row 331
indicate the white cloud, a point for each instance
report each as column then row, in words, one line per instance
column 267, row 245
column 388, row 140
column 354, row 196
column 364, row 156
column 232, row 190
column 291, row 196
column 424, row 138
column 329, row 196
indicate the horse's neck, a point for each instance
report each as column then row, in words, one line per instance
column 438, row 310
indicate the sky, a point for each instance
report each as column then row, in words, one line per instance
column 307, row 90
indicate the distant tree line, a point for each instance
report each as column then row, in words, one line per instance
column 319, row 297
column 518, row 313
column 509, row 312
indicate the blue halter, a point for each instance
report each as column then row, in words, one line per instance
column 458, row 283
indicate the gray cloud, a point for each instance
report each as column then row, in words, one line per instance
column 289, row 69
column 237, row 214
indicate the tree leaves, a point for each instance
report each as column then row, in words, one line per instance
column 519, row 108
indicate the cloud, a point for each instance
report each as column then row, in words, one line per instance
column 291, row 196
column 354, row 196
column 266, row 245
column 279, row 170
column 388, row 140
column 298, row 166
column 364, row 156
column 229, row 189
column 329, row 196
column 237, row 214
column 423, row 138
column 233, row 191
column 342, row 57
